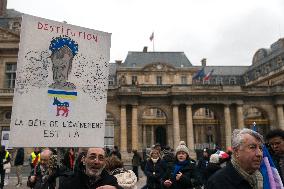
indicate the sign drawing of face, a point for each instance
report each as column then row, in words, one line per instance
column 63, row 51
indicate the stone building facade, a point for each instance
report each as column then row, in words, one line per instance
column 154, row 97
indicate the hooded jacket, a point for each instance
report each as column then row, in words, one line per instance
column 125, row 178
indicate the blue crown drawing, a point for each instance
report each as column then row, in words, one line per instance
column 59, row 42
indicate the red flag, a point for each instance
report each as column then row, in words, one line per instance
column 152, row 36
column 208, row 75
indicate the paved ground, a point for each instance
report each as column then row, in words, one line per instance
column 13, row 179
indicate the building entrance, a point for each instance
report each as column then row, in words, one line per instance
column 161, row 136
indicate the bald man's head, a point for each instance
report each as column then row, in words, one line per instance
column 45, row 156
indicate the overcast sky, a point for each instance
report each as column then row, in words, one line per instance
column 226, row 32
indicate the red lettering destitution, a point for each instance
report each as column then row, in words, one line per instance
column 67, row 31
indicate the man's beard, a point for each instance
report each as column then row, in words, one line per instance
column 94, row 173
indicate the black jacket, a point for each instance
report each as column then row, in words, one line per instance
column 227, row 178
column 82, row 181
column 3, row 159
column 153, row 180
column 19, row 160
column 211, row 169
column 43, row 181
column 66, row 162
column 201, row 166
column 188, row 180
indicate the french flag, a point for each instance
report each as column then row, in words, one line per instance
column 199, row 74
column 271, row 177
column 208, row 75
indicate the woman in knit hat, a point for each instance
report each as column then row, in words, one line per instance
column 153, row 170
column 183, row 174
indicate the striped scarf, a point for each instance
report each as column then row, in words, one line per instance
column 255, row 180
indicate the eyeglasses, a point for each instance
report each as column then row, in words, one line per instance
column 94, row 157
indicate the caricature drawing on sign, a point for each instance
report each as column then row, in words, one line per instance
column 63, row 50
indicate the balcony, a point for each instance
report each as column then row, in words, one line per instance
column 154, row 121
column 206, row 122
column 7, row 91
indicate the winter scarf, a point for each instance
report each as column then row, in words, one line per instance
column 155, row 160
column 178, row 166
column 255, row 180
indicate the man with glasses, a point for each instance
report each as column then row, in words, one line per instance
column 243, row 170
column 94, row 175
column 275, row 139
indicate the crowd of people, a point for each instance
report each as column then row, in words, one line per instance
column 164, row 168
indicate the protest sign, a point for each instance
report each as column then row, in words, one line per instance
column 61, row 85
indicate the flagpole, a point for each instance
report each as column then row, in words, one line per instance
column 153, row 44
column 152, row 38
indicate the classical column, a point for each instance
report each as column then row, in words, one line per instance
column 134, row 128
column 123, row 129
column 176, row 126
column 189, row 128
column 144, row 136
column 240, row 117
column 280, row 116
column 228, row 128
column 152, row 135
column 202, row 134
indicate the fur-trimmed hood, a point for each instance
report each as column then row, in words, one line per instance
column 125, row 178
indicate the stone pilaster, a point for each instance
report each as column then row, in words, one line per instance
column 152, row 135
column 280, row 116
column 144, row 136
column 134, row 128
column 176, row 130
column 228, row 127
column 189, row 129
column 240, row 117
column 123, row 129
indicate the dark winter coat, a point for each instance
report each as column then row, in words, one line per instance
column 43, row 181
column 19, row 160
column 211, row 169
column 3, row 159
column 188, row 180
column 201, row 166
column 82, row 181
column 227, row 178
column 136, row 160
column 116, row 153
column 167, row 162
column 68, row 161
column 153, row 172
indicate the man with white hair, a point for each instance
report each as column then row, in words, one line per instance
column 243, row 170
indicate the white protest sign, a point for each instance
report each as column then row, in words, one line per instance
column 5, row 139
column 61, row 85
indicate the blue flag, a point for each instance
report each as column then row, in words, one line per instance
column 199, row 74
column 271, row 177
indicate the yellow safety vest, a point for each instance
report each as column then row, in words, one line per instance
column 34, row 157
column 7, row 155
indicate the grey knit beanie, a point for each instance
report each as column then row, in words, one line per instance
column 182, row 148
